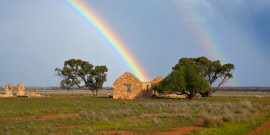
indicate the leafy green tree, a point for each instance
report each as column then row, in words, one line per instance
column 75, row 72
column 186, row 79
column 213, row 71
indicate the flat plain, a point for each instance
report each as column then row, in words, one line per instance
column 78, row 112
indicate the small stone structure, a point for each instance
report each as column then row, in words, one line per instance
column 128, row 86
column 21, row 90
column 9, row 90
column 34, row 95
column 175, row 96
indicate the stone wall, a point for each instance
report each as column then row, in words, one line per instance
column 157, row 80
column 146, row 85
column 146, row 90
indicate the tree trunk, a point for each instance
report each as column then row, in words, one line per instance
column 96, row 92
column 93, row 91
column 191, row 96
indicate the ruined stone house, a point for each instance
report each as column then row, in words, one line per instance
column 128, row 86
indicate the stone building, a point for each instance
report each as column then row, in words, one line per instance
column 128, row 86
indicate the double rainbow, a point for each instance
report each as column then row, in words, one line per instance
column 202, row 30
column 204, row 33
column 111, row 38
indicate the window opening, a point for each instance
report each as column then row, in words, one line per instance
column 128, row 87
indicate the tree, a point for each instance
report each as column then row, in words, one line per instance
column 76, row 71
column 187, row 79
column 213, row 71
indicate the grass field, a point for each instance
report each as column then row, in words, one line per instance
column 77, row 112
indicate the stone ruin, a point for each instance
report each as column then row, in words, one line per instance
column 34, row 95
column 20, row 91
column 8, row 91
column 128, row 86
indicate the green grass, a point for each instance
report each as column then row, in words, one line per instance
column 222, row 115
column 265, row 132
column 237, row 128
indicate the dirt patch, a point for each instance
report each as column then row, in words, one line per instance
column 44, row 117
column 47, row 117
column 144, row 115
column 121, row 132
column 179, row 130
column 146, row 128
column 172, row 123
column 73, row 126
column 61, row 134
column 176, row 131
column 200, row 119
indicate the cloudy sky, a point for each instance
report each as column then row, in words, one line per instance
column 37, row 36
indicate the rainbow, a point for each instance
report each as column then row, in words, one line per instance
column 111, row 38
column 205, row 34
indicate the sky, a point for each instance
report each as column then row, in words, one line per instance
column 37, row 36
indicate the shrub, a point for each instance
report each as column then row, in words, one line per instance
column 212, row 121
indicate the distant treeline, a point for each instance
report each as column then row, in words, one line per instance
column 55, row 88
column 242, row 89
column 221, row 89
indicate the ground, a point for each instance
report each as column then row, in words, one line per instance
column 78, row 112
